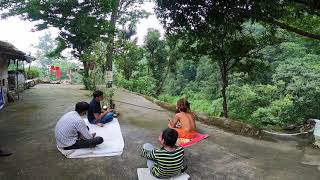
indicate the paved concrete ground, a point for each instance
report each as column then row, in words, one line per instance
column 26, row 127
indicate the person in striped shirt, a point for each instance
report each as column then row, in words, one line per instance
column 167, row 161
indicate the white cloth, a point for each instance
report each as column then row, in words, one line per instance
column 316, row 132
column 144, row 174
column 112, row 145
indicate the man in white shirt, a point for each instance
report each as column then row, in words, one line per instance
column 71, row 131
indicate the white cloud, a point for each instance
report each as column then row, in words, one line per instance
column 19, row 33
column 150, row 22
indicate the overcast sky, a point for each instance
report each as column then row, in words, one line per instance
column 19, row 33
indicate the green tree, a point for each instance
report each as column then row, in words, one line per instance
column 127, row 58
column 80, row 23
column 45, row 46
column 123, row 12
column 286, row 14
column 157, row 57
column 290, row 97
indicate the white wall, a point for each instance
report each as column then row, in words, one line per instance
column 4, row 75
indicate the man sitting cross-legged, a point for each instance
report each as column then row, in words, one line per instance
column 95, row 114
column 71, row 131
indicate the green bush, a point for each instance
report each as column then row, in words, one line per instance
column 242, row 101
column 168, row 98
column 278, row 113
column 201, row 105
column 197, row 103
column 33, row 72
column 76, row 78
column 88, row 82
column 143, row 84
column 246, row 99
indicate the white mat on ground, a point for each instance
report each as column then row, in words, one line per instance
column 112, row 142
column 144, row 174
column 316, row 133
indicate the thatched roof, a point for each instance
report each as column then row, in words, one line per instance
column 10, row 52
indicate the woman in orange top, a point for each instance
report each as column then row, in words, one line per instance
column 184, row 121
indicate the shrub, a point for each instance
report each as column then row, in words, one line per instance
column 33, row 72
column 279, row 112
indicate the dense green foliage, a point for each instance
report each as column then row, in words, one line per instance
column 80, row 23
column 202, row 16
column 276, row 87
column 254, row 61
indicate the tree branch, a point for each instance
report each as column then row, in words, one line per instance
column 236, row 61
column 294, row 29
column 314, row 5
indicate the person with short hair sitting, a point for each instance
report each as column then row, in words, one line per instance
column 71, row 131
column 167, row 161
column 95, row 114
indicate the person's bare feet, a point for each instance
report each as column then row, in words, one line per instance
column 100, row 124
column 116, row 114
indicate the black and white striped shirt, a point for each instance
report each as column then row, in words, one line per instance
column 167, row 164
column 67, row 128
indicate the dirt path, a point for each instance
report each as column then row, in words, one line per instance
column 27, row 126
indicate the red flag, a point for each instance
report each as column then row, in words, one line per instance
column 58, row 72
column 52, row 68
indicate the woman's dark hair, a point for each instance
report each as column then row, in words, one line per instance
column 170, row 137
column 97, row 93
column 82, row 107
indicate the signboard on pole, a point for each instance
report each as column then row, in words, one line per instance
column 109, row 76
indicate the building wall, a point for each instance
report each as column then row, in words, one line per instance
column 12, row 79
column 4, row 75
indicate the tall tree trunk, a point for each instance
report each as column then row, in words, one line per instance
column 85, row 76
column 159, row 87
column 127, row 70
column 224, row 84
column 111, row 41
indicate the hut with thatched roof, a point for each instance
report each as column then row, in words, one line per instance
column 9, row 54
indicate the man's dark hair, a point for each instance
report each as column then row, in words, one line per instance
column 170, row 137
column 82, row 107
column 97, row 93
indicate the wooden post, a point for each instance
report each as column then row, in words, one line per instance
column 17, row 79
column 29, row 69
column 24, row 71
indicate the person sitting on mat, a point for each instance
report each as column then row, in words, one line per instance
column 71, row 131
column 183, row 121
column 167, row 161
column 95, row 114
